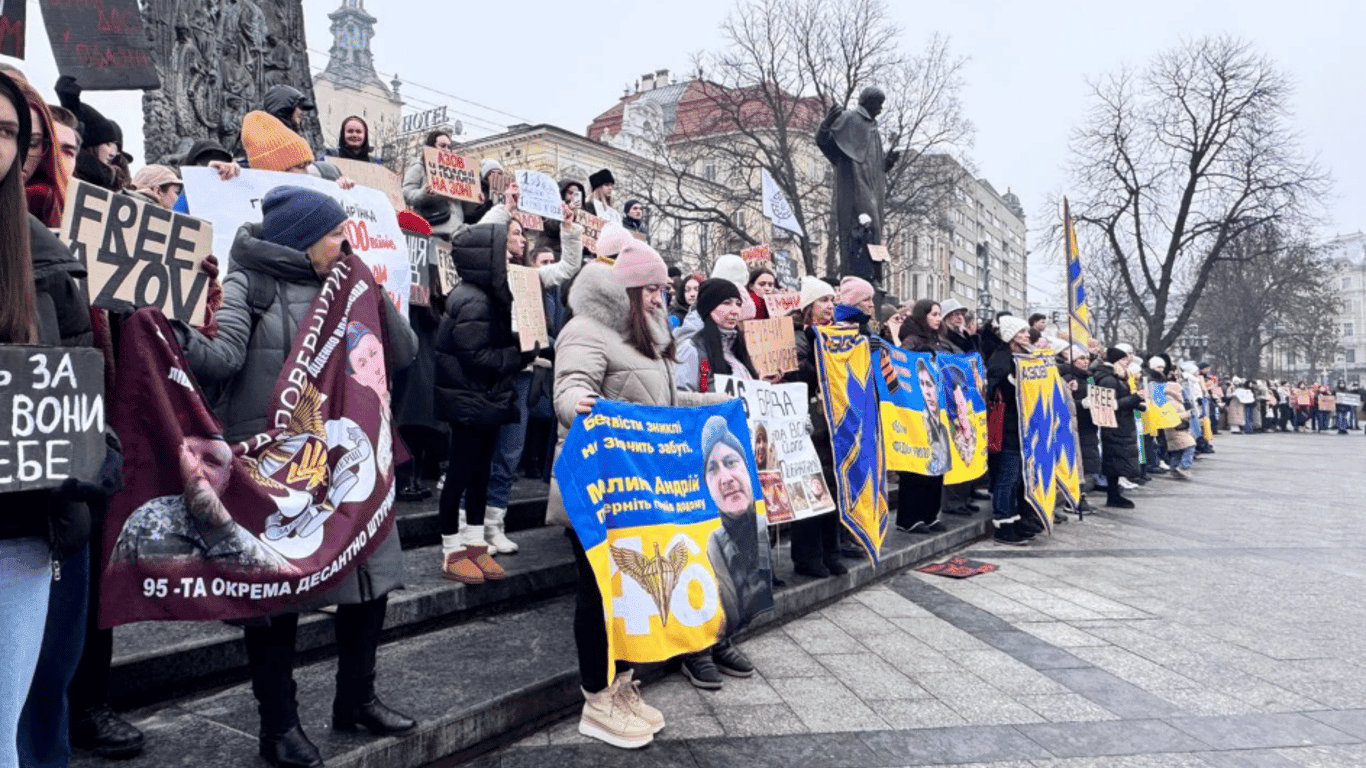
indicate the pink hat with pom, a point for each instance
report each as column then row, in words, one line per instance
column 638, row 265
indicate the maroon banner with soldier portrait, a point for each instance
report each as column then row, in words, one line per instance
column 207, row 530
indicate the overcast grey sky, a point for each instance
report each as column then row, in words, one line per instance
column 545, row 62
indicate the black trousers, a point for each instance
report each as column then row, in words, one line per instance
column 90, row 687
column 918, row 499
column 816, row 539
column 590, row 626
column 467, row 475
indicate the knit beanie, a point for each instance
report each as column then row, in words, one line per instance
column 733, row 268
column 854, row 291
column 489, row 166
column 711, row 293
column 717, row 432
column 1009, row 325
column 638, row 265
column 813, row 288
column 1114, row 354
column 411, row 222
column 297, row 218
column 1157, row 364
column 626, row 209
column 612, row 240
column 1126, row 346
column 271, row 145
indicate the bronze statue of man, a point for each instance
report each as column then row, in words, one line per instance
column 849, row 139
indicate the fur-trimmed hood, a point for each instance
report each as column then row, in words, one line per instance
column 595, row 294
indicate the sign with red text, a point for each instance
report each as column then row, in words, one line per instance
column 138, row 254
column 12, row 17
column 102, row 44
column 452, row 175
column 592, row 227
column 781, row 303
column 772, row 345
column 1103, row 406
column 52, row 399
column 529, row 221
column 758, row 256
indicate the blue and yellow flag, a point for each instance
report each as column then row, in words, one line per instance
column 915, row 426
column 669, row 510
column 1078, row 310
column 962, row 387
column 849, row 394
column 1048, row 436
column 1164, row 407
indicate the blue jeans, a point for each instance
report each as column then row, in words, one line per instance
column 1249, row 417
column 44, row 741
column 1005, row 485
column 1184, row 458
column 1321, row 421
column 1344, row 420
column 507, row 452
column 25, row 578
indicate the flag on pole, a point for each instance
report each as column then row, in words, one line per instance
column 776, row 208
column 1078, row 310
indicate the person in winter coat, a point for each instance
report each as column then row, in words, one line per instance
column 477, row 355
column 1007, row 477
column 816, row 539
column 101, row 142
column 299, row 239
column 353, row 141
column 685, row 295
column 1119, row 445
column 599, row 202
column 919, row 496
column 446, row 216
column 762, row 282
column 734, row 269
column 1074, row 365
column 44, row 172
column 710, row 342
column 288, row 105
column 634, row 220
column 954, row 328
column 616, row 346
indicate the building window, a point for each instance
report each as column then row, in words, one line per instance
column 1351, row 356
column 1349, row 330
column 1346, row 283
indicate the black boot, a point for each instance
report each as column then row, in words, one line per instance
column 356, row 705
column 270, row 652
column 290, row 749
column 102, row 731
column 1114, row 499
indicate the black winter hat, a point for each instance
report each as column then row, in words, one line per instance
column 712, row 292
column 626, row 209
column 1114, row 354
column 600, row 178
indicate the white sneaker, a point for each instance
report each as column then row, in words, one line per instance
column 1127, row 484
column 607, row 717
column 1162, row 465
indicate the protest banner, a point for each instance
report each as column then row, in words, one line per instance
column 374, row 176
column 540, row 195
column 1244, row 396
column 844, row 363
column 371, row 228
column 452, row 175
column 781, row 304
column 1103, row 406
column 962, row 387
column 137, row 254
column 1328, row 403
column 665, row 503
column 592, row 227
column 419, row 263
column 1350, row 399
column 52, row 430
column 101, row 44
column 1049, row 445
column 528, row 307
column 446, row 272
column 1302, row 397
column 915, row 428
column 786, row 267
column 230, row 532
column 757, row 256
column 784, row 456
column 12, row 17
column 529, row 221
column 772, row 345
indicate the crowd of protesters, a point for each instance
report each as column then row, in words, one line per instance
column 471, row 404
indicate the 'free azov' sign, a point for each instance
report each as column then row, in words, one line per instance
column 138, row 254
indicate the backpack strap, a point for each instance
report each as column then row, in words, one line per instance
column 261, row 291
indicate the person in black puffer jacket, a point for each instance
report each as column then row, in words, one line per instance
column 477, row 355
column 1119, row 446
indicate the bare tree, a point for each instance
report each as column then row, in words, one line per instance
column 762, row 96
column 1176, row 161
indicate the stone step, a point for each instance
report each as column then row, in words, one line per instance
column 475, row 684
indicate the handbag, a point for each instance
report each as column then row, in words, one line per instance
column 996, row 424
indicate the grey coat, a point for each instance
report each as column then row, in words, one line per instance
column 246, row 358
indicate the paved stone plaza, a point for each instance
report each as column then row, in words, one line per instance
column 1221, row 624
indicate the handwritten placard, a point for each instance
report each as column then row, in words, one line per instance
column 1349, row 399
column 138, row 254
column 758, row 255
column 878, row 252
column 1328, row 403
column 12, row 27
column 419, row 259
column 529, row 221
column 101, row 44
column 446, row 272
column 781, row 303
column 1103, row 405
column 540, row 195
column 374, row 176
column 772, row 345
column 528, row 306
column 53, row 428
column 452, row 175
column 592, row 227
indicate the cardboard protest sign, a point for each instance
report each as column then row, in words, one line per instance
column 780, row 304
column 52, row 399
column 784, row 456
column 452, row 175
column 758, row 255
column 445, row 266
column 374, row 176
column 528, row 307
column 540, row 195
column 914, row 422
column 1328, row 403
column 419, row 259
column 207, row 530
column 101, row 44
column 962, row 387
column 772, row 345
column 529, row 221
column 1048, row 436
column 138, row 254
column 372, row 227
column 592, row 227
column 667, row 506
column 878, row 252
column 1103, row 406
column 12, row 16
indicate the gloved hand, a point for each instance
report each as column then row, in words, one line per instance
column 531, row 354
column 548, row 353
column 69, row 93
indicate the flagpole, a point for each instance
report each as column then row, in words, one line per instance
column 1068, row 246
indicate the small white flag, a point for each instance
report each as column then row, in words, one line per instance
column 776, row 208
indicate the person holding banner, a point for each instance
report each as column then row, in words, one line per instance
column 919, row 497
column 1008, row 475
column 300, row 238
column 709, row 341
column 1119, row 444
column 1074, row 365
column 617, row 346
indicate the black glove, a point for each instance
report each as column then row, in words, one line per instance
column 69, row 93
column 531, row 354
column 548, row 353
column 106, row 484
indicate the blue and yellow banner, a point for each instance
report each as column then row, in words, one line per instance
column 1164, row 408
column 961, row 387
column 670, row 512
column 915, row 425
column 1048, row 436
column 1078, row 308
column 849, row 394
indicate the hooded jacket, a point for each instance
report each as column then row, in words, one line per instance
column 476, row 350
